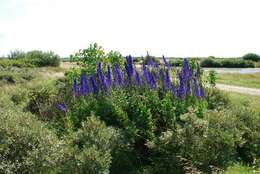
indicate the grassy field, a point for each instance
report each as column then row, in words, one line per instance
column 246, row 100
column 245, row 80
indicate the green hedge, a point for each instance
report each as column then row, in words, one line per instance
column 226, row 63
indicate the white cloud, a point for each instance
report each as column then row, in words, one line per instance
column 170, row 27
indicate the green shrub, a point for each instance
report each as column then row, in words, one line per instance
column 252, row 56
column 217, row 99
column 26, row 145
column 92, row 146
column 209, row 62
column 39, row 58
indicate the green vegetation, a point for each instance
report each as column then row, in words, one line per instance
column 245, row 100
column 34, row 58
column 245, row 80
column 124, row 129
column 252, row 56
column 226, row 63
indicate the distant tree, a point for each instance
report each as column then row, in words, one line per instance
column 252, row 56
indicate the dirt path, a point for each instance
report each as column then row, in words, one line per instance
column 238, row 89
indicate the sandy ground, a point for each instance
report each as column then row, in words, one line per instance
column 238, row 89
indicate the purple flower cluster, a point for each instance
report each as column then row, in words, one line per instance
column 152, row 76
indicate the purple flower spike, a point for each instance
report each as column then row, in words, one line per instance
column 202, row 93
column 137, row 79
column 62, row 107
column 198, row 71
column 93, row 85
column 104, row 82
column 118, row 75
column 167, row 80
column 146, row 73
column 181, row 90
column 196, row 89
column 129, row 67
column 188, row 88
column 167, row 65
column 83, row 85
column 152, row 80
column 109, row 76
column 174, row 90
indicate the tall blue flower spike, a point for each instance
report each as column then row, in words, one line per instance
column 146, row 74
column 198, row 71
column 129, row 67
column 174, row 90
column 196, row 89
column 181, row 91
column 167, row 80
column 167, row 65
column 118, row 76
column 83, row 85
column 202, row 93
column 152, row 80
column 99, row 72
column 188, row 88
column 93, row 85
column 109, row 76
column 137, row 79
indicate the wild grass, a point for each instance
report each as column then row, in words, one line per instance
column 245, row 80
column 238, row 99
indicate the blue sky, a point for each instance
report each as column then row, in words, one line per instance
column 170, row 27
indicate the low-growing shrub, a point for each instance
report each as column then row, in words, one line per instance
column 218, row 139
column 91, row 148
column 26, row 145
column 15, row 76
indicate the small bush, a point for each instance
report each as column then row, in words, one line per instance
column 26, row 145
column 252, row 56
column 92, row 146
column 209, row 62
column 39, row 58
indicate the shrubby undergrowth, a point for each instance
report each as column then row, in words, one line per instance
column 119, row 118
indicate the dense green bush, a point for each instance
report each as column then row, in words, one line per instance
column 89, row 58
column 39, row 58
column 226, row 63
column 252, row 56
column 91, row 147
column 215, row 140
column 26, row 145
